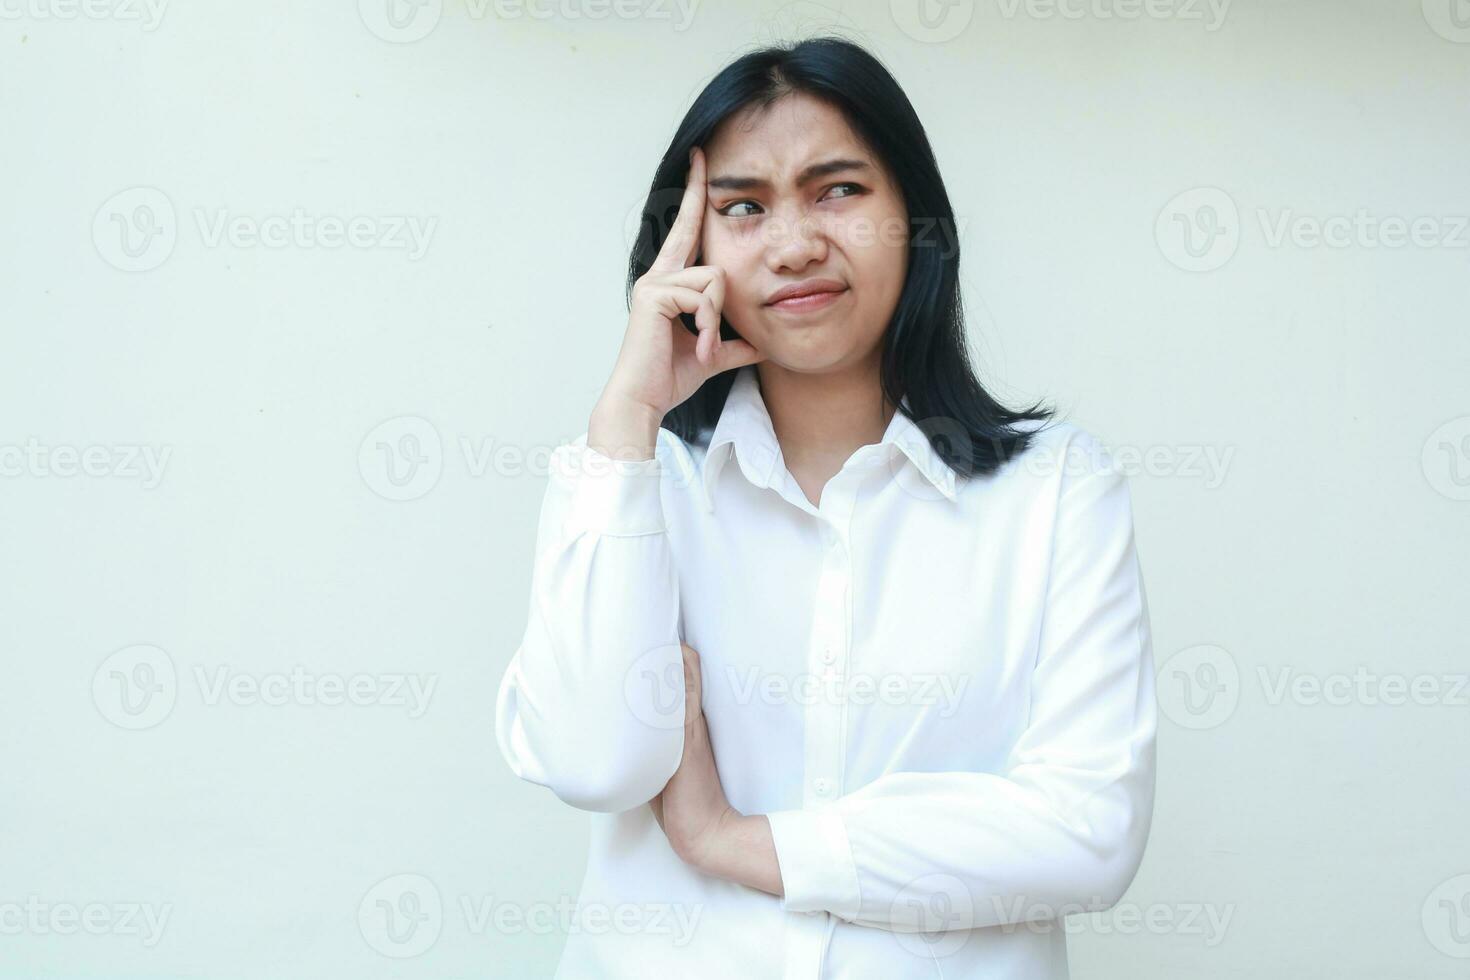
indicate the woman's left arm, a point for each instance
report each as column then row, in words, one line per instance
column 1062, row 830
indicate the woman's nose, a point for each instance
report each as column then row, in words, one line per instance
column 795, row 242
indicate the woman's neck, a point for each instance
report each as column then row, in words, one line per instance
column 822, row 419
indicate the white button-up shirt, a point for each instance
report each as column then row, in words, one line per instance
column 939, row 690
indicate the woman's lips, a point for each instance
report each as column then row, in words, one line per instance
column 809, row 302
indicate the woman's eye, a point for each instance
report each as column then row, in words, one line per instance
column 855, row 189
column 729, row 210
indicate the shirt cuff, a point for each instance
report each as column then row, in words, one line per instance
column 817, row 869
column 615, row 497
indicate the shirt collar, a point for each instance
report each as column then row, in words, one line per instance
column 744, row 430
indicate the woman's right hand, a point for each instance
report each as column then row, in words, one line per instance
column 661, row 363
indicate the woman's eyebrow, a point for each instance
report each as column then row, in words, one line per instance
column 826, row 168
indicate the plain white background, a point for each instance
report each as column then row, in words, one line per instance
column 251, row 493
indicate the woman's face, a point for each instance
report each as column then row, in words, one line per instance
column 778, row 215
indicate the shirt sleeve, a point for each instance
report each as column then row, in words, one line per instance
column 592, row 702
column 1063, row 828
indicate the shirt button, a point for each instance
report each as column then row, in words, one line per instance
column 822, row 785
column 828, row 655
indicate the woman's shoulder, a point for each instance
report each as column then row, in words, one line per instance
column 1061, row 452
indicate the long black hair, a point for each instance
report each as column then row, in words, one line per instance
column 925, row 358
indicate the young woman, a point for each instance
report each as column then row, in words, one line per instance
column 852, row 663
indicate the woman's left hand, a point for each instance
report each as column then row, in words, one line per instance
column 691, row 808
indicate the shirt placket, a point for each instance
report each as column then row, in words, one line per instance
column 825, row 710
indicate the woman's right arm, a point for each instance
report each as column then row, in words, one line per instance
column 592, row 703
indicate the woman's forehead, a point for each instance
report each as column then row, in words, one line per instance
column 778, row 141
column 792, row 123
